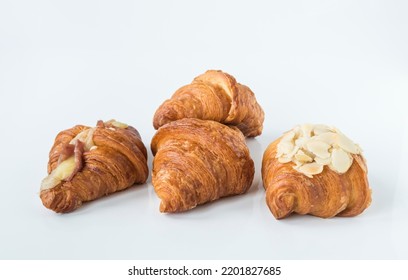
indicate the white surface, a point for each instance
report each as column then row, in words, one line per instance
column 63, row 63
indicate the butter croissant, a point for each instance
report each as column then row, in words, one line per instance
column 214, row 95
column 199, row 161
column 87, row 163
column 316, row 170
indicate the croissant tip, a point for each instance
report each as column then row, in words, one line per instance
column 164, row 207
column 282, row 205
column 280, row 215
column 57, row 203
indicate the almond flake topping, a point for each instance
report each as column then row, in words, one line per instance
column 311, row 147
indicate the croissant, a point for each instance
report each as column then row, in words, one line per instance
column 198, row 161
column 316, row 170
column 214, row 95
column 87, row 163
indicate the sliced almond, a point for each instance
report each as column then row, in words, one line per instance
column 301, row 142
column 297, row 163
column 307, row 130
column 293, row 153
column 119, row 124
column 311, row 147
column 302, row 157
column 320, row 129
column 346, row 144
column 296, row 130
column 284, row 159
column 328, row 137
column 341, row 161
column 285, row 147
column 288, row 136
column 310, row 169
column 323, row 161
column 319, row 148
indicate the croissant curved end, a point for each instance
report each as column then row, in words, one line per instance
column 281, row 202
column 163, row 115
column 170, row 199
column 60, row 202
column 166, row 206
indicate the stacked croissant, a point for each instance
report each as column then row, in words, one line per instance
column 200, row 155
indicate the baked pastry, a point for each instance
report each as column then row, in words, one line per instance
column 214, row 95
column 316, row 170
column 198, row 161
column 87, row 163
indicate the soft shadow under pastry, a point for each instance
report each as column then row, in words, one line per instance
column 214, row 95
column 199, row 161
column 86, row 163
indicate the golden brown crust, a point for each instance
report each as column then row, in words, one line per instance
column 199, row 161
column 326, row 195
column 214, row 95
column 118, row 162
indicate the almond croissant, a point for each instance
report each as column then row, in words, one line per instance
column 87, row 163
column 315, row 170
column 199, row 161
column 214, row 95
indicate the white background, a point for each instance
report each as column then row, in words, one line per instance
column 62, row 63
